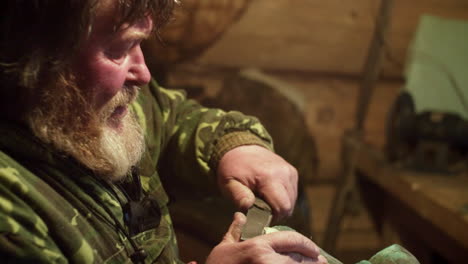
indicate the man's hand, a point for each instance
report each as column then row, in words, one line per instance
column 247, row 169
column 284, row 247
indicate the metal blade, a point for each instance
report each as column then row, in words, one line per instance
column 258, row 217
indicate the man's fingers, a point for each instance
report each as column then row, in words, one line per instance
column 290, row 241
column 322, row 260
column 298, row 258
column 279, row 199
column 242, row 196
column 292, row 188
column 234, row 233
column 281, row 191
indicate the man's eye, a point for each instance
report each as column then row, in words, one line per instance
column 119, row 52
column 116, row 54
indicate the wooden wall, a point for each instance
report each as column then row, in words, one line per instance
column 319, row 47
column 330, row 37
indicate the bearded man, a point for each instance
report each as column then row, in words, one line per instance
column 86, row 136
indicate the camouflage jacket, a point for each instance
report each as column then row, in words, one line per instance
column 53, row 210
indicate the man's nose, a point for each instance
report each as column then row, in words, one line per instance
column 138, row 72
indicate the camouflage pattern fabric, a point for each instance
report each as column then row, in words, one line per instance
column 53, row 210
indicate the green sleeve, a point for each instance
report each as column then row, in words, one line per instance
column 192, row 138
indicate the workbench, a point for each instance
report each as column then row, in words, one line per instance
column 425, row 212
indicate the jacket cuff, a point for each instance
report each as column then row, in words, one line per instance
column 233, row 140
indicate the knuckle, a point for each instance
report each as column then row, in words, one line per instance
column 256, row 243
column 292, row 171
column 287, row 207
column 300, row 240
column 278, row 170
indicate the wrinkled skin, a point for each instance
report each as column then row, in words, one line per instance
column 110, row 61
column 250, row 169
column 285, row 247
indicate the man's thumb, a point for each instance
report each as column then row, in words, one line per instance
column 240, row 194
column 234, row 233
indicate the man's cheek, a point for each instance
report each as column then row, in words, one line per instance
column 104, row 94
column 107, row 81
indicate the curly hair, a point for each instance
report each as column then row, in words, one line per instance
column 38, row 39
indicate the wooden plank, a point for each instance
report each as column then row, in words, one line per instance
column 380, row 104
column 358, row 231
column 321, row 36
column 319, row 198
column 357, row 240
column 437, row 199
column 278, row 34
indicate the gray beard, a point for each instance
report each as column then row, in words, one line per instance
column 108, row 152
column 122, row 149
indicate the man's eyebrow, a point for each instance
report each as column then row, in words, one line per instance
column 136, row 35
